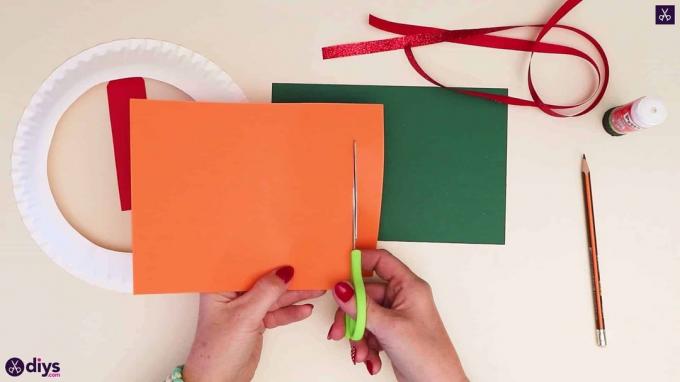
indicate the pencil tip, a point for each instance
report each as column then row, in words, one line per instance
column 584, row 164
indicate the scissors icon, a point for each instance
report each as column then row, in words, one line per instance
column 15, row 369
column 665, row 17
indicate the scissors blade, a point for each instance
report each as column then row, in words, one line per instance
column 355, row 197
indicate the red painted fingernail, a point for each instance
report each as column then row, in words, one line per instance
column 285, row 273
column 353, row 353
column 328, row 336
column 344, row 291
column 369, row 367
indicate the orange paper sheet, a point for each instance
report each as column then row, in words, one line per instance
column 223, row 193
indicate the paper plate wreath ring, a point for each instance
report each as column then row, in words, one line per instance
column 190, row 72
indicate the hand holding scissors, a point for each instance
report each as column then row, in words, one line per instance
column 402, row 321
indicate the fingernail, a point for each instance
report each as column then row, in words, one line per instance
column 344, row 291
column 353, row 353
column 328, row 336
column 369, row 367
column 285, row 273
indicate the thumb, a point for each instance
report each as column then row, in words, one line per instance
column 376, row 315
column 267, row 291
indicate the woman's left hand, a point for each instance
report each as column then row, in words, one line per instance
column 228, row 339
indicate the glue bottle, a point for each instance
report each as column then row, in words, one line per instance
column 640, row 114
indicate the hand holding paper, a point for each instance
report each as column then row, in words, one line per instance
column 230, row 326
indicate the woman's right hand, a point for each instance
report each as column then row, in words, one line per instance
column 402, row 320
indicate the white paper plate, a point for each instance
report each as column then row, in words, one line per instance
column 190, row 72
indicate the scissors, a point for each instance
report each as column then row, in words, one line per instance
column 15, row 368
column 354, row 329
column 665, row 15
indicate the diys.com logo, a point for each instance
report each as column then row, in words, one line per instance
column 15, row 367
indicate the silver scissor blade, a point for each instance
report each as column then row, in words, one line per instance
column 355, row 198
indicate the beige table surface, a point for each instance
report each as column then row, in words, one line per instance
column 517, row 312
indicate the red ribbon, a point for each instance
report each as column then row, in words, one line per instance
column 416, row 35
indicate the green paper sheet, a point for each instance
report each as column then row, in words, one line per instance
column 445, row 160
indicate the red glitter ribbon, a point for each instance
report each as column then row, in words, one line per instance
column 415, row 35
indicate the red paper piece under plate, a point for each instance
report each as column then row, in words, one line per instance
column 119, row 93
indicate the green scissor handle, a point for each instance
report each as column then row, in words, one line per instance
column 354, row 329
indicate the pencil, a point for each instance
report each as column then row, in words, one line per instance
column 592, row 249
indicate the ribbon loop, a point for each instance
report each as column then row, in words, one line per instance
column 412, row 36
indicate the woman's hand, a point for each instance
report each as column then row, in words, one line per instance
column 402, row 320
column 228, row 339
